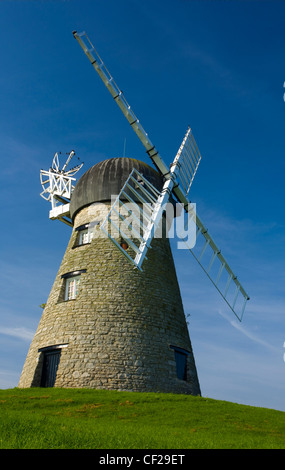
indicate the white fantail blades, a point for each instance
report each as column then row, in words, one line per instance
column 57, row 187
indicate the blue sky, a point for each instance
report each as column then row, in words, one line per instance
column 214, row 65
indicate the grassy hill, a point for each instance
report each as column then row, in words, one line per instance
column 53, row 418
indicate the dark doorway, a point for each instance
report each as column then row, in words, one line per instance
column 181, row 365
column 50, row 365
column 181, row 362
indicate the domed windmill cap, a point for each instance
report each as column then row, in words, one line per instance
column 107, row 178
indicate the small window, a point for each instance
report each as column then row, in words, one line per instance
column 71, row 287
column 85, row 236
column 181, row 362
column 85, row 233
column 72, row 281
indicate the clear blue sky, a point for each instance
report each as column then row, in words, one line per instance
column 217, row 66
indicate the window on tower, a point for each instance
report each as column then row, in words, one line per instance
column 85, row 233
column 85, row 236
column 181, row 362
column 71, row 286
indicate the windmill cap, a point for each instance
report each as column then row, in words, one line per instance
column 107, row 178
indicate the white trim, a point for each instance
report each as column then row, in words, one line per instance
column 71, row 287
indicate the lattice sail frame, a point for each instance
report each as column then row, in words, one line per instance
column 180, row 189
column 146, row 215
column 130, row 215
column 189, row 160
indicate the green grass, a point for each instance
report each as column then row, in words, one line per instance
column 52, row 418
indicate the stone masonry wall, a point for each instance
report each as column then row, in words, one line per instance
column 117, row 333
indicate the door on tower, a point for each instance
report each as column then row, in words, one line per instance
column 50, row 364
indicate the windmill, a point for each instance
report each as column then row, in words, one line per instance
column 178, row 180
column 114, row 318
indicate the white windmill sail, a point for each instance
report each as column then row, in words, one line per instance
column 212, row 261
column 130, row 215
column 119, row 98
column 142, row 219
column 187, row 169
column 189, row 160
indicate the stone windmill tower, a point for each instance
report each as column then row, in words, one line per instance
column 114, row 321
column 105, row 324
